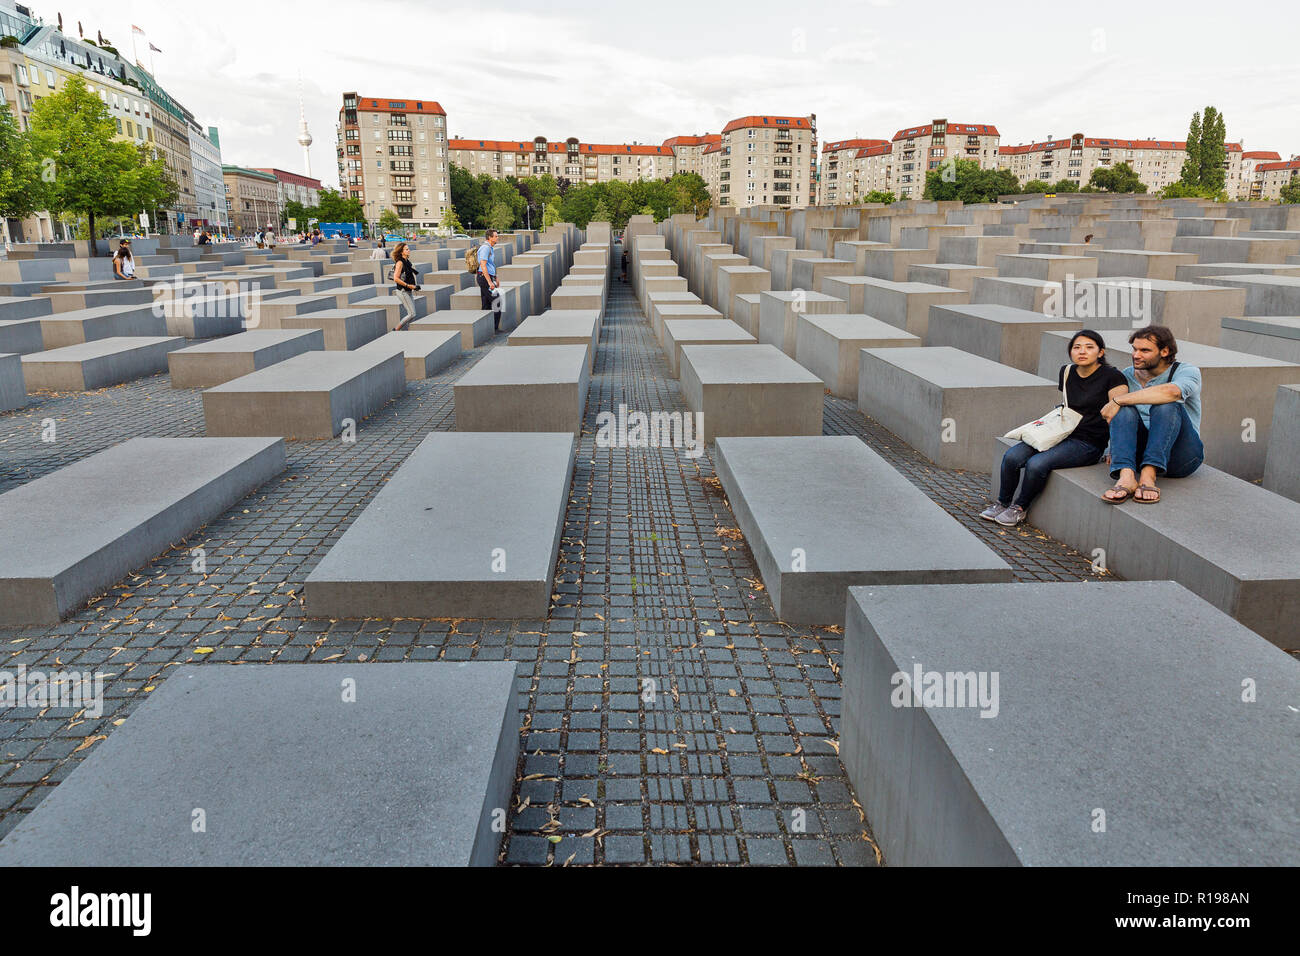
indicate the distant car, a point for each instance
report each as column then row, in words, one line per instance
column 395, row 239
column 459, row 235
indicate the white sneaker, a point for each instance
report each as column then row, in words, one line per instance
column 992, row 511
column 1011, row 517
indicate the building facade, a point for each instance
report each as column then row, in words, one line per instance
column 252, row 199
column 688, row 151
column 1271, row 177
column 209, row 181
column 294, row 187
column 839, row 169
column 1248, row 182
column 569, row 159
column 919, row 149
column 393, row 154
column 767, row 160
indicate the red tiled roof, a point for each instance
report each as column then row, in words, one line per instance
column 294, row 178
column 1262, row 154
column 774, row 122
column 1273, row 167
column 1098, row 142
column 553, row 146
column 713, row 148
column 704, row 140
column 961, row 129
column 852, row 144
column 378, row 104
column 880, row 150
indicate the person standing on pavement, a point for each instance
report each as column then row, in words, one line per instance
column 405, row 284
column 488, row 286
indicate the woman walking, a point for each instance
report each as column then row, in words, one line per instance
column 1089, row 382
column 404, row 281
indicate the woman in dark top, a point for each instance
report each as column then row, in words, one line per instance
column 1092, row 381
column 404, row 283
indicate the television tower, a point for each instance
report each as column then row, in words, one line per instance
column 304, row 137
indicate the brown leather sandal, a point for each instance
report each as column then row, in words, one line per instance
column 1147, row 501
column 1117, row 501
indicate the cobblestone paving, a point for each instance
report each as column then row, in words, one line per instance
column 670, row 717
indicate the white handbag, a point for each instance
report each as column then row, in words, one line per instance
column 1053, row 428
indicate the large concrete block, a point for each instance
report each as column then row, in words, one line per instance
column 1282, row 468
column 13, row 390
column 828, row 345
column 1272, row 336
column 307, row 396
column 463, row 490
column 99, row 363
column 211, row 363
column 682, row 332
column 976, row 250
column 905, row 305
column 893, row 264
column 344, row 329
column 744, row 312
column 856, row 253
column 708, row 274
column 739, row 280
column 1229, row 541
column 71, row 534
column 1265, row 294
column 536, row 388
column 271, row 313
column 1237, row 393
column 474, row 325
column 680, row 310
column 1235, row 248
column 103, row 322
column 1047, row 268
column 578, row 299
column 412, row 772
column 24, row 307
column 998, row 333
column 941, row 785
column 814, row 533
column 949, row 275
column 763, row 248
column 1193, row 312
column 561, row 328
column 426, row 353
column 1140, row 263
column 946, row 403
column 392, row 308
column 91, row 298
column 1031, row 295
column 783, row 263
column 812, row 274
column 750, row 390
column 21, row 336
column 656, row 284
column 779, row 312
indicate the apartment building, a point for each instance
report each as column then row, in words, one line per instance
column 688, row 151
column 1271, row 177
column 839, row 167
column 1247, row 180
column 917, row 150
column 209, row 181
column 393, row 154
column 252, row 199
column 872, row 171
column 569, row 159
column 711, row 169
column 294, row 187
column 767, row 160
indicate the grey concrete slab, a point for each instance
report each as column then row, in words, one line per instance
column 1193, row 312
column 998, row 333
column 271, row 313
column 1140, row 263
column 976, row 250
column 1207, row 273
column 1282, row 467
column 411, row 769
column 1265, row 294
column 681, row 332
column 98, row 364
column 344, row 328
column 307, row 396
column 560, row 327
column 905, row 305
column 474, row 325
column 1272, row 336
column 949, row 275
column 828, row 345
column 578, row 299
column 1234, row 248
column 393, row 308
column 1033, row 295
column 498, row 537
column 739, row 280
column 946, row 403
column 67, row 536
column 1047, row 268
column 680, row 310
column 13, row 390
column 783, row 263
column 1225, row 539
column 426, row 353
column 1160, row 727
column 1237, row 393
column 101, row 322
column 211, row 363
column 825, row 513
column 24, row 307
column 21, row 336
column 779, row 312
column 744, row 311
column 535, row 388
column 750, row 390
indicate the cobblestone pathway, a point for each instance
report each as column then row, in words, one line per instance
column 670, row 718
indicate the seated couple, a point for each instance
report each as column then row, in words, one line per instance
column 1149, row 414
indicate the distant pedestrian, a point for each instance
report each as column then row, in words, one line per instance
column 260, row 238
column 488, row 287
column 204, row 238
column 123, row 261
column 404, row 283
column 624, row 265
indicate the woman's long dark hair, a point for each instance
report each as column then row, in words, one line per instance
column 398, row 250
column 1096, row 337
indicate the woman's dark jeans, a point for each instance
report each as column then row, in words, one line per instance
column 1071, row 453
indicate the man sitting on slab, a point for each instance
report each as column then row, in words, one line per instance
column 1157, row 423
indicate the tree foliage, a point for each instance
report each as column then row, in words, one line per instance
column 1036, row 186
column 20, row 171
column 1120, row 178
column 1066, row 186
column 1291, row 190
column 1203, row 173
column 333, row 206
column 964, row 179
column 389, row 221
column 878, row 195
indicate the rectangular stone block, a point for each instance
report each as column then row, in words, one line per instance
column 905, row 305
column 463, row 490
column 13, row 390
column 1282, row 467
column 828, row 345
column 948, row 274
column 1234, row 248
column 783, row 263
column 1047, row 268
column 13, row 308
column 1208, row 273
column 976, row 250
column 686, row 310
column 102, row 322
column 1193, row 312
column 779, row 312
column 942, row 785
column 750, row 390
column 557, row 327
column 1141, row 263
column 414, row 771
column 1030, row 295
column 97, row 364
column 1271, row 336
column 474, row 325
column 211, row 363
column 892, row 264
column 71, row 534
column 21, row 336
column 305, row 397
column 739, row 280
column 814, row 533
column 344, row 329
column 1249, row 573
column 390, row 305
column 681, row 332
column 578, row 299
column 536, row 388
column 856, row 253
column 744, row 312
column 1265, row 294
column 1012, row 337
column 271, row 313
column 426, row 353
column 946, row 403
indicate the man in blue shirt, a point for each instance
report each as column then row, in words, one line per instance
column 1157, row 423
column 487, row 277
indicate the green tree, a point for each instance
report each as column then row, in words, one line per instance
column 334, row 207
column 21, row 188
column 297, row 212
column 964, row 179
column 468, row 197
column 500, row 216
column 1291, row 191
column 389, row 221
column 1120, row 178
column 878, row 195
column 553, row 213
column 1065, row 186
column 1191, row 174
column 1211, row 152
column 450, row 221
column 91, row 173
column 1036, row 186
column 601, row 212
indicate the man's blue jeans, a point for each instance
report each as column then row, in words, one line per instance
column 1071, row 453
column 1170, row 445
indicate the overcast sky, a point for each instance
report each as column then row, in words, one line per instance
column 610, row 72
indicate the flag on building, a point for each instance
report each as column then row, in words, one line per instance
column 136, row 29
column 154, row 48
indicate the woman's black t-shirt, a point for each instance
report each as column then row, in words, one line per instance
column 1087, row 396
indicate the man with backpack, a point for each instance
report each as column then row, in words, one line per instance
column 484, row 264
